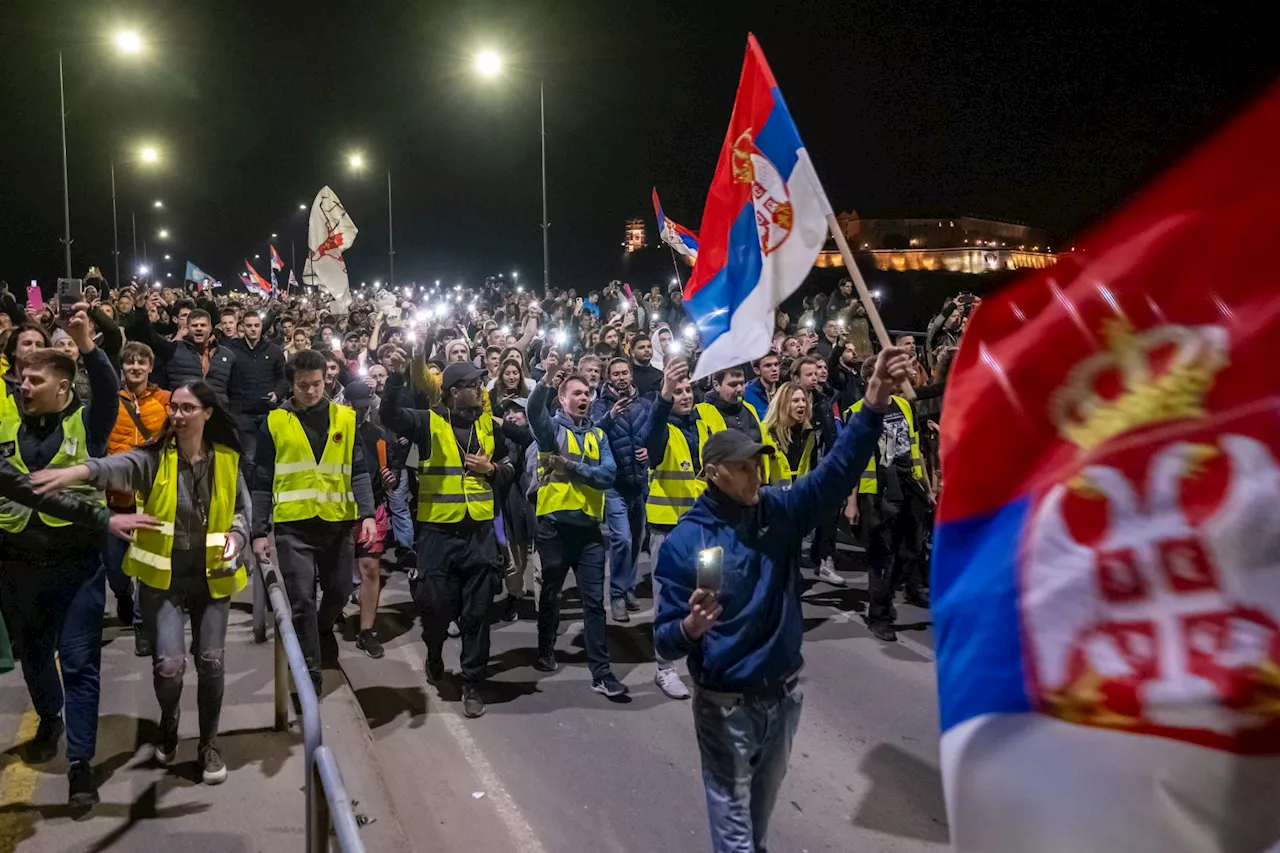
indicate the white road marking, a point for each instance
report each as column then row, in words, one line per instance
column 522, row 835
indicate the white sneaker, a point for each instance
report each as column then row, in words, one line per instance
column 668, row 681
column 827, row 572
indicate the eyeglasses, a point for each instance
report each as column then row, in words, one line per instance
column 185, row 409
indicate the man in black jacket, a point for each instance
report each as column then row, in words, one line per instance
column 192, row 354
column 644, row 375
column 257, row 384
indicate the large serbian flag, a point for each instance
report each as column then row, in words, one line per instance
column 762, row 228
column 1106, row 571
column 675, row 235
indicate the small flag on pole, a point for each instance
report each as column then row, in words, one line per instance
column 684, row 241
column 256, row 282
column 194, row 273
column 276, row 263
column 764, row 223
column 293, row 282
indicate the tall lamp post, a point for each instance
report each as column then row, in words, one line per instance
column 489, row 64
column 127, row 42
column 355, row 162
column 146, row 154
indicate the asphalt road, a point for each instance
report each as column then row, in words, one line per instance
column 555, row 767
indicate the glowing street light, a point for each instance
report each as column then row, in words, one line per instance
column 128, row 41
column 150, row 154
column 355, row 160
column 158, row 203
column 302, row 207
column 168, row 257
column 163, row 234
column 488, row 63
column 273, row 236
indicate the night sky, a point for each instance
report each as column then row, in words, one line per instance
column 1044, row 113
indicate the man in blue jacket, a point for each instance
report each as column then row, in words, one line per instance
column 743, row 638
column 622, row 413
column 574, row 467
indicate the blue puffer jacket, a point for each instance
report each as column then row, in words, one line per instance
column 626, row 436
column 755, row 644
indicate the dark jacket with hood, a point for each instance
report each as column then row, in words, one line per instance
column 626, row 436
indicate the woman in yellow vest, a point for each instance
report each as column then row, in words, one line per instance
column 188, row 480
column 788, row 430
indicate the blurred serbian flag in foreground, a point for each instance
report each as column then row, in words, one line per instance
column 1106, row 572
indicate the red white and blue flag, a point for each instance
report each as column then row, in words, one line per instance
column 276, row 263
column 764, row 223
column 255, row 282
column 684, row 241
column 1106, row 562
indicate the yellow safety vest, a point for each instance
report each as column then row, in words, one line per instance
column 673, row 485
column 778, row 468
column 446, row 492
column 150, row 558
column 303, row 488
column 558, row 494
column 710, row 422
column 869, row 484
column 8, row 405
column 73, row 451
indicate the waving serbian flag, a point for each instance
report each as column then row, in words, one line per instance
column 256, row 282
column 330, row 233
column 1106, row 570
column 684, row 241
column 762, row 228
column 276, row 263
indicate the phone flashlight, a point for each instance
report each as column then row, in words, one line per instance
column 710, row 568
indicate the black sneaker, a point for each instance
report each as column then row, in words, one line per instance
column 883, row 631
column 166, row 748
column 435, row 669
column 212, row 768
column 633, row 603
column 367, row 642
column 546, row 662
column 44, row 746
column 317, row 683
column 472, row 704
column 919, row 598
column 82, row 792
column 124, row 611
column 141, row 643
column 609, row 686
column 618, row 609
column 510, row 609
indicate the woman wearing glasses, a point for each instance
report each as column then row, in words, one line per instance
column 189, row 479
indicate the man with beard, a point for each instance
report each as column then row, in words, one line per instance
column 846, row 377
column 644, row 375
column 621, row 412
column 461, row 467
column 192, row 354
column 257, row 386
column 575, row 467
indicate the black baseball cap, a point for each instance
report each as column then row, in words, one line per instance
column 459, row 372
column 730, row 445
column 358, row 394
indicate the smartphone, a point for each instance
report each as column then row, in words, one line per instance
column 710, row 568
column 34, row 297
column 70, row 292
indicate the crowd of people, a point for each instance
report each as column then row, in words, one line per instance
column 484, row 440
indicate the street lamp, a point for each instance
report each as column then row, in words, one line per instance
column 158, row 202
column 150, row 155
column 168, row 257
column 302, row 207
column 355, row 161
column 163, row 234
column 127, row 42
column 488, row 64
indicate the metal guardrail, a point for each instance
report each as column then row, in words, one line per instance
column 328, row 807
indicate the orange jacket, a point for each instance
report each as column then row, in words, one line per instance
column 152, row 407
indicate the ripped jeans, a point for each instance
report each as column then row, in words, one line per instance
column 163, row 616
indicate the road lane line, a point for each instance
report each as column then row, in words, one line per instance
column 521, row 832
column 17, row 788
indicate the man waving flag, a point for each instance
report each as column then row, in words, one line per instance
column 764, row 223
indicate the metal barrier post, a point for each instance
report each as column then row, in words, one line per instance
column 335, row 800
column 259, row 607
column 281, row 685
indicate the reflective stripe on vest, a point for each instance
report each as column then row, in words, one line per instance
column 73, row 451
column 778, row 467
column 673, row 485
column 150, row 558
column 303, row 488
column 446, row 492
column 557, row 493
column 710, row 422
column 869, row 482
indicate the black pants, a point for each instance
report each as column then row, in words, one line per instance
column 459, row 574
column 562, row 547
column 896, row 521
column 320, row 554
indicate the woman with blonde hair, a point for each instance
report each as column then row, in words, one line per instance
column 788, row 429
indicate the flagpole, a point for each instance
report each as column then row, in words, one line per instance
column 675, row 263
column 882, row 334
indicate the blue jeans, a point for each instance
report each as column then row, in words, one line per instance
column 121, row 584
column 57, row 607
column 745, row 744
column 625, row 518
column 400, row 508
